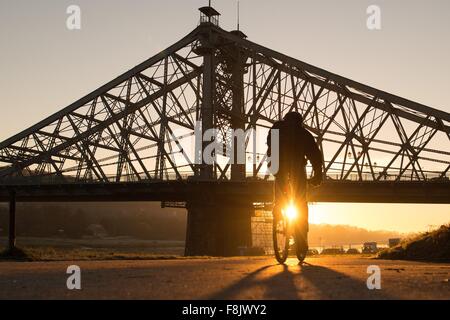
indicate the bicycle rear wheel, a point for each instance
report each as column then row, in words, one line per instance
column 280, row 236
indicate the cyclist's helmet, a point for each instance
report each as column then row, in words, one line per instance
column 294, row 117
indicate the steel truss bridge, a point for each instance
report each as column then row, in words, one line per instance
column 134, row 138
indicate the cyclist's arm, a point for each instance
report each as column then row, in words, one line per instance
column 314, row 155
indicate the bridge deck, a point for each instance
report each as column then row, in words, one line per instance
column 253, row 191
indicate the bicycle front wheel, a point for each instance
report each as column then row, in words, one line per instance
column 280, row 236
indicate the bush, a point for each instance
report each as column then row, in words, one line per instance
column 429, row 246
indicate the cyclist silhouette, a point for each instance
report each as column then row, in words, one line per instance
column 296, row 147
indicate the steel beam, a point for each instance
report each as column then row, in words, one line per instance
column 334, row 77
column 105, row 88
column 207, row 109
column 233, row 191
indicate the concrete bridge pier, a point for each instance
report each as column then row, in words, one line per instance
column 12, row 222
column 218, row 229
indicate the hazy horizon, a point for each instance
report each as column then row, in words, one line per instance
column 148, row 221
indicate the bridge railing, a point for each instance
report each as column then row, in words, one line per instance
column 429, row 176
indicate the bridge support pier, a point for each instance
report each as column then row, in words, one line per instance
column 12, row 223
column 218, row 229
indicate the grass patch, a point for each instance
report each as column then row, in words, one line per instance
column 431, row 246
column 70, row 254
column 15, row 254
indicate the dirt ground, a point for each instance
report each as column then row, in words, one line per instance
column 227, row 278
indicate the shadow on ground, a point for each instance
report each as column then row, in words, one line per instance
column 295, row 282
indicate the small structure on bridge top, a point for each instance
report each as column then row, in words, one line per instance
column 209, row 15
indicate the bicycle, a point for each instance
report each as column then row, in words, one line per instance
column 290, row 226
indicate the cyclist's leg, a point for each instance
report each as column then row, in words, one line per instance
column 300, row 186
column 301, row 226
column 279, row 192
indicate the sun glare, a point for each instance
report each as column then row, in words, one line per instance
column 291, row 212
